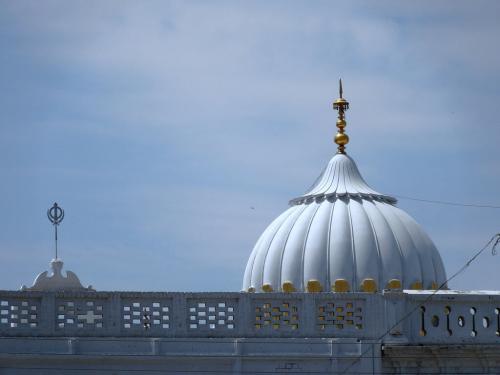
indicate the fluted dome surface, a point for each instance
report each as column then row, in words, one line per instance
column 343, row 236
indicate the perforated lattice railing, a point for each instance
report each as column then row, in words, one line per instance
column 339, row 314
column 139, row 315
column 277, row 315
column 211, row 315
column 446, row 318
column 79, row 314
column 472, row 321
column 19, row 313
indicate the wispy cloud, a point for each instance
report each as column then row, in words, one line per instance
column 160, row 124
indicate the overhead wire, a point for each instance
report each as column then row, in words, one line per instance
column 254, row 356
column 219, row 371
column 447, row 203
column 495, row 240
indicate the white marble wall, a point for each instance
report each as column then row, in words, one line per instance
column 321, row 333
column 444, row 317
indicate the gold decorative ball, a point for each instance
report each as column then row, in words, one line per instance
column 341, row 139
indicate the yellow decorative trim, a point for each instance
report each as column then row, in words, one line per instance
column 369, row 286
column 417, row 285
column 394, row 284
column 251, row 290
column 434, row 285
column 314, row 286
column 267, row 288
column 341, row 286
column 288, row 287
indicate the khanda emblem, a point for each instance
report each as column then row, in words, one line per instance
column 55, row 214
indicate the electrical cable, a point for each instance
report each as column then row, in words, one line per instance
column 447, row 202
column 495, row 240
column 254, row 356
column 277, row 370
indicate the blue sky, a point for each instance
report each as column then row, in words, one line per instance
column 158, row 125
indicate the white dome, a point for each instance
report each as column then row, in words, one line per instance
column 343, row 236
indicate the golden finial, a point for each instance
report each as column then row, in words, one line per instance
column 341, row 105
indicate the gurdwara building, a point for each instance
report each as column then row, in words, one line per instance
column 342, row 282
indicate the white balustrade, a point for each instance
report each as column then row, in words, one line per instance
column 443, row 318
column 466, row 318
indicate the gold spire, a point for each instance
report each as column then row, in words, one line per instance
column 341, row 105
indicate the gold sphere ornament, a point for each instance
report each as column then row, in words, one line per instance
column 341, row 139
column 341, row 124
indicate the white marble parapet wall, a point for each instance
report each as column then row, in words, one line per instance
column 132, row 314
column 451, row 317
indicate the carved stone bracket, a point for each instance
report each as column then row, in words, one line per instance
column 56, row 281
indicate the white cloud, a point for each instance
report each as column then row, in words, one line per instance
column 193, row 111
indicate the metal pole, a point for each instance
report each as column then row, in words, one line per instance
column 55, row 226
column 55, row 215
